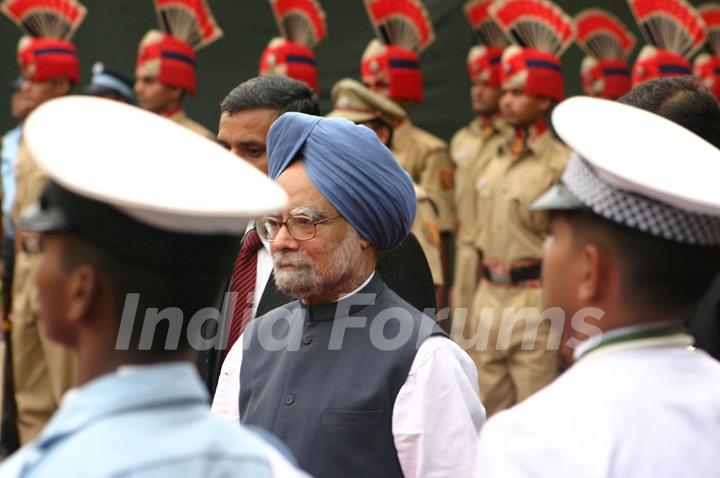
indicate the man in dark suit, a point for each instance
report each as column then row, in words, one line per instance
column 247, row 113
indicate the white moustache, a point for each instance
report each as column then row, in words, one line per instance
column 287, row 260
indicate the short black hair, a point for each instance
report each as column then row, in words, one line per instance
column 381, row 123
column 272, row 92
column 156, row 289
column 682, row 100
column 657, row 274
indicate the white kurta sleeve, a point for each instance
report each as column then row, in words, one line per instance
column 226, row 402
column 437, row 414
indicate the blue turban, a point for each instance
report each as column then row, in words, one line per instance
column 352, row 169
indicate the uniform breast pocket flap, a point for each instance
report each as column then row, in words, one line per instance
column 537, row 221
column 334, row 417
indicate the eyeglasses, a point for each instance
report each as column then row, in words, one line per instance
column 300, row 228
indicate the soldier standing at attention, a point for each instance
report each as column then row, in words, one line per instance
column 165, row 70
column 470, row 142
column 49, row 64
column 391, row 66
column 509, row 298
column 20, row 107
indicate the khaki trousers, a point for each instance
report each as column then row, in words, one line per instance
column 42, row 370
column 507, row 339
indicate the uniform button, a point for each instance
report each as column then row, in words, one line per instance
column 307, row 339
column 289, row 400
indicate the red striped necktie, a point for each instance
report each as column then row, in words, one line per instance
column 243, row 285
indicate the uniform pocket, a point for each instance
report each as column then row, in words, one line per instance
column 536, row 221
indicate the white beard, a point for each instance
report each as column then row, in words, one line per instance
column 306, row 280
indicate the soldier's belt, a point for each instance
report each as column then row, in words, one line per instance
column 526, row 273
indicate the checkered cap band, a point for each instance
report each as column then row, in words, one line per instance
column 639, row 212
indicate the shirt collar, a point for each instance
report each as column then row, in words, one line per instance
column 534, row 140
column 323, row 312
column 174, row 113
column 14, row 134
column 595, row 340
column 403, row 127
column 362, row 286
column 481, row 123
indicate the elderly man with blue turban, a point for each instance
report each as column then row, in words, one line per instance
column 353, row 379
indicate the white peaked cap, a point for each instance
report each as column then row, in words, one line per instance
column 148, row 167
column 637, row 169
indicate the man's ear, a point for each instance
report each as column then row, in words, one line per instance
column 83, row 290
column 596, row 269
column 383, row 133
column 177, row 93
column 364, row 243
column 61, row 87
column 546, row 104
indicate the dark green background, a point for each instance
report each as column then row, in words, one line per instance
column 113, row 28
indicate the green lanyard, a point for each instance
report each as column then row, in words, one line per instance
column 649, row 333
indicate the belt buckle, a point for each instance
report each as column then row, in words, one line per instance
column 498, row 277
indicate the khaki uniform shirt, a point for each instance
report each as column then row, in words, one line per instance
column 30, row 181
column 469, row 151
column 506, row 188
column 182, row 119
column 427, row 159
column 427, row 231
